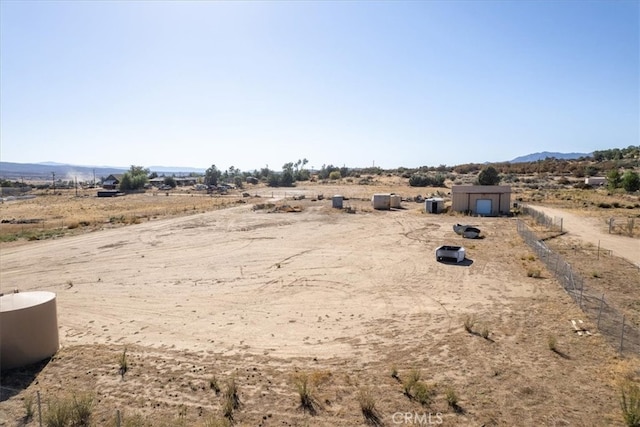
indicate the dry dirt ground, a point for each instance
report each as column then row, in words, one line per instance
column 263, row 297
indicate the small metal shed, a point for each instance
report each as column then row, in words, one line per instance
column 336, row 201
column 434, row 205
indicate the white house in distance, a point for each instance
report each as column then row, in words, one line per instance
column 483, row 200
column 595, row 180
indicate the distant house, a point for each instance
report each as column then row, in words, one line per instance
column 112, row 181
column 483, row 200
column 595, row 180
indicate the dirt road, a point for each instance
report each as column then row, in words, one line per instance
column 594, row 231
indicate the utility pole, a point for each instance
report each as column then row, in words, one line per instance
column 54, row 181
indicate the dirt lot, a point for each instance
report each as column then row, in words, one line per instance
column 265, row 297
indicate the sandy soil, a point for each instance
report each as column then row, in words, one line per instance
column 263, row 295
column 594, row 231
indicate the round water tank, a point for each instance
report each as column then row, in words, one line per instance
column 395, row 201
column 337, row 201
column 28, row 328
column 381, row 201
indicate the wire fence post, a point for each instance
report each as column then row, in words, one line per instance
column 118, row 418
column 600, row 311
column 581, row 289
column 622, row 335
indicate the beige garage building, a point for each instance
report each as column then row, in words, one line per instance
column 483, row 200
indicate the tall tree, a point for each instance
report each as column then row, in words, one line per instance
column 212, row 175
column 488, row 176
column 134, row 179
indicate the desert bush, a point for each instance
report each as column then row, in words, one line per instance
column 469, row 322
column 552, row 343
column 303, row 384
column 75, row 411
column 135, row 420
column 217, row 422
column 214, row 385
column 123, row 365
column 368, row 407
column 534, row 272
column 81, row 410
column 58, row 413
column 452, row 399
column 423, row 392
column 419, row 180
column 485, row 332
column 410, row 382
column 394, row 372
column 630, row 403
column 28, row 407
column 231, row 398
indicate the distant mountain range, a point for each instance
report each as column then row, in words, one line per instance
column 546, row 154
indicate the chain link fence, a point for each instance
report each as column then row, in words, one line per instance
column 610, row 321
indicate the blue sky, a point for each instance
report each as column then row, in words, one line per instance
column 355, row 83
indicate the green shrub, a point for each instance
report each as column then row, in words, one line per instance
column 630, row 404
column 423, row 393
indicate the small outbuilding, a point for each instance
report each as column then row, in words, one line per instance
column 434, row 205
column 381, row 201
column 112, row 181
column 336, row 201
column 481, row 200
column 395, row 201
column 595, row 181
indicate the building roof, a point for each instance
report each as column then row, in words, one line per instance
column 480, row 189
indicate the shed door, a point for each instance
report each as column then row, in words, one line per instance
column 483, row 207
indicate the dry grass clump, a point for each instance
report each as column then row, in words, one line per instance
column 469, row 322
column 306, row 385
column 534, row 273
column 409, row 383
column 28, row 407
column 368, row 407
column 231, row 398
column 73, row 411
column 122, row 363
column 308, row 402
column 214, row 385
